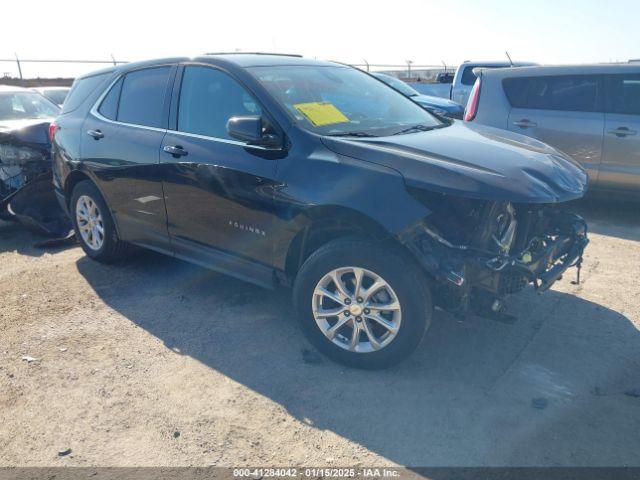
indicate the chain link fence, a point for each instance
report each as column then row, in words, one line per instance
column 21, row 71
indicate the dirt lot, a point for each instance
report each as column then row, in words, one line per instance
column 157, row 362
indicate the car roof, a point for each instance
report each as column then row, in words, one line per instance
column 486, row 63
column 13, row 88
column 265, row 60
column 563, row 70
column 242, row 60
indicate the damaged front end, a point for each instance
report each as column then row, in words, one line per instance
column 480, row 251
column 26, row 188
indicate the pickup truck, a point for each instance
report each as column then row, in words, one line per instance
column 463, row 80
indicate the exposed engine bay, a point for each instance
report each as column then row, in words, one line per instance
column 481, row 251
column 26, row 188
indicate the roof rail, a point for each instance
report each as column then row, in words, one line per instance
column 255, row 53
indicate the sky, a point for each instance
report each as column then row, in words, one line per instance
column 426, row 32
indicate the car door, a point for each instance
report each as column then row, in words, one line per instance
column 218, row 191
column 620, row 168
column 120, row 145
column 562, row 111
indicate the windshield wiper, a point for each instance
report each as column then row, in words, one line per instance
column 350, row 134
column 414, row 128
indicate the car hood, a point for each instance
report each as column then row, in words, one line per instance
column 437, row 102
column 473, row 161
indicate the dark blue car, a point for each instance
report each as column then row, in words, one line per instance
column 281, row 170
column 438, row 105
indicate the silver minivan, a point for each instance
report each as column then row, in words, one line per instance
column 591, row 113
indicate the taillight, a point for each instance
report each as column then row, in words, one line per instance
column 52, row 130
column 472, row 104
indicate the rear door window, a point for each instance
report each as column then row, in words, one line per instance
column 623, row 94
column 208, row 99
column 578, row 93
column 142, row 97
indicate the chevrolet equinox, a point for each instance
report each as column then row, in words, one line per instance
column 281, row 170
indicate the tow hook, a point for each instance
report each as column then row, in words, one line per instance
column 497, row 311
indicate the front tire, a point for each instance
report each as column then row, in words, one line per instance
column 93, row 224
column 362, row 304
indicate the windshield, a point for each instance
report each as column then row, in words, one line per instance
column 342, row 101
column 56, row 96
column 25, row 105
column 398, row 84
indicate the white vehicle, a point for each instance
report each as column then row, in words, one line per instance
column 465, row 78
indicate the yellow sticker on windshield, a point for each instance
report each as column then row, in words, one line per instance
column 321, row 113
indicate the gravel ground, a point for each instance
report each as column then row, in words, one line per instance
column 157, row 362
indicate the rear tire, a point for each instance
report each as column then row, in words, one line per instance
column 93, row 224
column 362, row 333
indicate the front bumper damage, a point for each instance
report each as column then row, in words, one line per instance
column 473, row 279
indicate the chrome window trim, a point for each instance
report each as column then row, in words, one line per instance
column 94, row 111
column 144, row 127
column 221, row 140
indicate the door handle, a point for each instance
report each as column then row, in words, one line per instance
column 177, row 151
column 96, row 134
column 622, row 132
column 525, row 123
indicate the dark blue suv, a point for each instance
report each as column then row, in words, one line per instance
column 285, row 171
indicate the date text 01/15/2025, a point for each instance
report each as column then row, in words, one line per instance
column 316, row 472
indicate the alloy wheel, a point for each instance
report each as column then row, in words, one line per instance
column 356, row 309
column 90, row 222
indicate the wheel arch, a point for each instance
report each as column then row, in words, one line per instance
column 74, row 178
column 327, row 223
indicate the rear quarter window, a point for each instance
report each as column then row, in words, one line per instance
column 576, row 93
column 109, row 106
column 81, row 89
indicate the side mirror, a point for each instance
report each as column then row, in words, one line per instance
column 249, row 129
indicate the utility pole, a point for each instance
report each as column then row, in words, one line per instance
column 409, row 62
column 19, row 67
